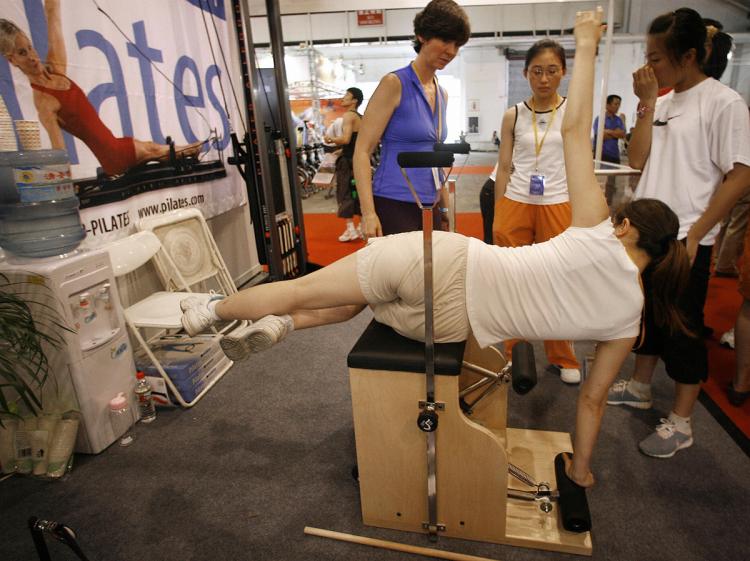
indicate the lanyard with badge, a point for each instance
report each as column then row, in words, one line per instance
column 438, row 130
column 536, row 182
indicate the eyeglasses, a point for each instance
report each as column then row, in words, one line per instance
column 550, row 71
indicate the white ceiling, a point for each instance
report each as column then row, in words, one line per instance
column 258, row 7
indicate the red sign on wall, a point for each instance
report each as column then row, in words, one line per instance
column 369, row 17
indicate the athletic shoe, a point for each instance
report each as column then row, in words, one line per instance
column 665, row 441
column 727, row 339
column 192, row 301
column 197, row 319
column 620, row 394
column 570, row 375
column 349, row 235
column 259, row 336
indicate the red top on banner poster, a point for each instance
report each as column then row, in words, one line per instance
column 61, row 105
column 106, row 97
column 369, row 17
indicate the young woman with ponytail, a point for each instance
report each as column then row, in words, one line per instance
column 693, row 146
column 581, row 285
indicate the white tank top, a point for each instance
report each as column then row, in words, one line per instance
column 580, row 285
column 551, row 159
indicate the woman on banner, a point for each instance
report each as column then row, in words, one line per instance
column 62, row 105
column 531, row 191
column 407, row 114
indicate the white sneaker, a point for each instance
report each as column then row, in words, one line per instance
column 727, row 339
column 349, row 235
column 197, row 319
column 570, row 375
column 256, row 337
column 192, row 301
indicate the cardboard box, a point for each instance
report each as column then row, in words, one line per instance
column 190, row 362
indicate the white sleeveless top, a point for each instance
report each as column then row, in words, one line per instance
column 580, row 285
column 551, row 158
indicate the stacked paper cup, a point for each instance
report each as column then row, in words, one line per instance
column 28, row 135
column 7, row 136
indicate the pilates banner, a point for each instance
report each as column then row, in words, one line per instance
column 140, row 69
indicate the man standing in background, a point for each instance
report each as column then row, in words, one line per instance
column 614, row 130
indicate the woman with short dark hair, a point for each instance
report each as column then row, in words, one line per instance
column 407, row 114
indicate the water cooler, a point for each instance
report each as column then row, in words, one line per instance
column 96, row 361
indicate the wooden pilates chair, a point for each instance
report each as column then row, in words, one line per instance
column 478, row 497
column 434, row 453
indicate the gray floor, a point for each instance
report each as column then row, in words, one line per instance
column 269, row 451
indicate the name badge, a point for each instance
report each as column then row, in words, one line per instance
column 536, row 184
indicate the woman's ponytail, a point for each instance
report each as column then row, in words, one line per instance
column 719, row 44
column 669, row 278
column 669, row 268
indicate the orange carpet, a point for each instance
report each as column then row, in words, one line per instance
column 322, row 232
column 722, row 304
column 472, row 170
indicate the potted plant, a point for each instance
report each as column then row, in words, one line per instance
column 24, row 365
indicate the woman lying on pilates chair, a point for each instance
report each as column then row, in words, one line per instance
column 581, row 285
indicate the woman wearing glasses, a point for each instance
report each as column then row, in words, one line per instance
column 531, row 193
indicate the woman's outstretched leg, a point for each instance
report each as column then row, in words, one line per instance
column 330, row 295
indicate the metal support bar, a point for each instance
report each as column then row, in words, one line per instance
column 431, row 525
column 452, row 198
column 282, row 91
column 605, row 80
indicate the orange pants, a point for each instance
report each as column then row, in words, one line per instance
column 518, row 224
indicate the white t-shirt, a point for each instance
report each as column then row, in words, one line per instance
column 580, row 285
column 697, row 138
column 493, row 175
column 551, row 159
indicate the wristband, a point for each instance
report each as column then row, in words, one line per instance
column 643, row 110
column 443, row 209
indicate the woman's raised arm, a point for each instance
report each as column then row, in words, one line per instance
column 57, row 60
column 588, row 205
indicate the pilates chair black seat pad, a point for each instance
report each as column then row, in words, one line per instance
column 381, row 348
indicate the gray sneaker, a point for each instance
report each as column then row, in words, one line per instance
column 259, row 336
column 620, row 394
column 665, row 441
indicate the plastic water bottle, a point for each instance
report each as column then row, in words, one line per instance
column 145, row 401
column 121, row 419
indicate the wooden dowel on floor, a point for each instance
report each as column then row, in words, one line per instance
column 384, row 544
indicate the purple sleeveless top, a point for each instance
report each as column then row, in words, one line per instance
column 413, row 127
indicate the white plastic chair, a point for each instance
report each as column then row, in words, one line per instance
column 187, row 240
column 160, row 310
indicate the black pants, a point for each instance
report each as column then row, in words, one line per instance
column 399, row 216
column 487, row 207
column 685, row 358
column 346, row 193
column 611, row 186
